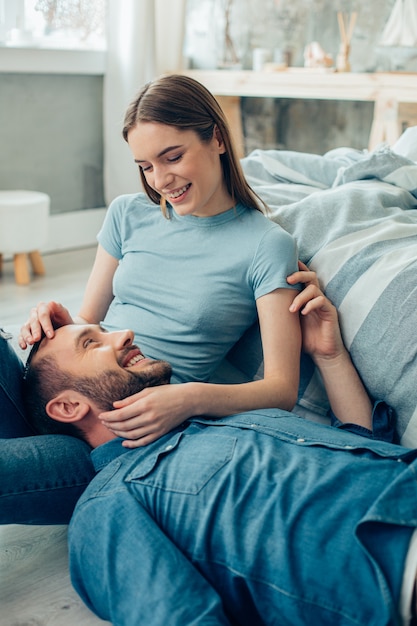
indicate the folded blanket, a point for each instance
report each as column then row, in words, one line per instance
column 354, row 216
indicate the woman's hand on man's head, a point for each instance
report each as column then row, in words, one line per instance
column 43, row 319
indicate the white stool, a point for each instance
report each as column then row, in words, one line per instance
column 23, row 230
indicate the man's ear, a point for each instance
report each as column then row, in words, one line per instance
column 68, row 406
column 219, row 138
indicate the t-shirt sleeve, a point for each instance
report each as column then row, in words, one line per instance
column 110, row 234
column 275, row 259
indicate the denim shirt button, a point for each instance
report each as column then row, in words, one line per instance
column 169, row 447
column 300, row 440
column 349, row 447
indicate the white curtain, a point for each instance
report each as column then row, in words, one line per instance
column 144, row 39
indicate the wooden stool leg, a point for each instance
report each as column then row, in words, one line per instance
column 37, row 263
column 1, row 263
column 21, row 270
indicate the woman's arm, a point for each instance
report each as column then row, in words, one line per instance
column 98, row 293
column 47, row 316
column 322, row 340
column 281, row 343
column 148, row 415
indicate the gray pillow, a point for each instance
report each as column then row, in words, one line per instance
column 359, row 233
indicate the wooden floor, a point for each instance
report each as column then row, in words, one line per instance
column 35, row 589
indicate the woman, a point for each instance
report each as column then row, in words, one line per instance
column 191, row 275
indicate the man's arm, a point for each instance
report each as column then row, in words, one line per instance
column 322, row 340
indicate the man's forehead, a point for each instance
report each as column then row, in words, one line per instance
column 47, row 346
column 65, row 337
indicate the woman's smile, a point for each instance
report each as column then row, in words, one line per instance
column 178, row 195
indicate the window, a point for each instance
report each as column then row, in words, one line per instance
column 70, row 24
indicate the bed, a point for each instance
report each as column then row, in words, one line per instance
column 354, row 216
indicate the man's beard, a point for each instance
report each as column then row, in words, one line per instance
column 110, row 385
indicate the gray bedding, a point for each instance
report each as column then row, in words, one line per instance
column 354, row 216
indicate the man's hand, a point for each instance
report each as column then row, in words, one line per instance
column 319, row 320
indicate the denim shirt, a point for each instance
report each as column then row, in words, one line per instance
column 327, row 502
column 289, row 427
column 383, row 424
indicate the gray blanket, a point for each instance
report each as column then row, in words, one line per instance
column 354, row 217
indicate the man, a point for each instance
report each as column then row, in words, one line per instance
column 257, row 518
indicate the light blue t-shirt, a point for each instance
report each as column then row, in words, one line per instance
column 187, row 285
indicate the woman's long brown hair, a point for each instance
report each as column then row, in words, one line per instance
column 183, row 102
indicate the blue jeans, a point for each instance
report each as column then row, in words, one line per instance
column 41, row 476
column 246, row 520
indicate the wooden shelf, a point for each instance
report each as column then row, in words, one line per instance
column 387, row 90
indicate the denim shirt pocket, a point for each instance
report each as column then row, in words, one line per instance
column 186, row 464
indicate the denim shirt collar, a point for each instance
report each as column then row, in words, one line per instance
column 274, row 422
column 107, row 452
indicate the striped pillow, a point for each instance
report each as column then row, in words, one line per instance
column 359, row 233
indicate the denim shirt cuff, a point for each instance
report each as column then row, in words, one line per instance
column 383, row 424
